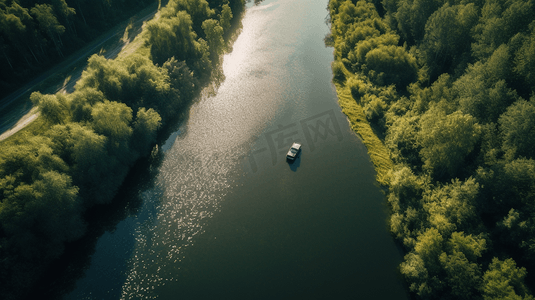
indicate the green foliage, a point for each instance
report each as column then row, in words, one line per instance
column 176, row 34
column 338, row 71
column 357, row 86
column 354, row 24
column 103, row 75
column 365, row 43
column 459, row 131
column 359, row 55
column 401, row 139
column 483, row 91
column 439, row 93
column 199, row 10
column 145, row 129
column 412, row 17
column 53, row 108
column 93, row 169
column 46, row 210
column 462, row 277
column 37, row 34
column 183, row 85
column 512, row 205
column 348, row 13
column 25, row 162
column 226, row 17
column 504, row 280
column 172, row 37
column 405, row 192
column 422, row 265
column 446, row 140
column 82, row 101
column 429, row 245
column 391, row 65
column 133, row 80
column 517, row 126
column 404, row 184
column 48, row 22
column 214, row 35
column 472, row 247
column 438, row 268
column 414, row 270
column 498, row 23
column 374, row 107
column 508, row 185
column 92, row 136
column 445, row 40
column 38, row 203
column 525, row 59
column 452, row 206
column 112, row 119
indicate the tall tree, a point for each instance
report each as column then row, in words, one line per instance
column 53, row 108
column 145, row 128
column 49, row 24
column 446, row 140
column 446, row 36
column 214, row 35
column 504, row 280
column 518, row 129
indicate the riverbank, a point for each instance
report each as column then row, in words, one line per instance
column 440, row 91
column 92, row 137
column 378, row 152
column 216, row 207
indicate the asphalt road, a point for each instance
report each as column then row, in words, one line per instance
column 16, row 106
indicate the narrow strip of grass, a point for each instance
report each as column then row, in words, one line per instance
column 378, row 152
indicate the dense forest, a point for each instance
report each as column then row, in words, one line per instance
column 449, row 87
column 93, row 136
column 36, row 34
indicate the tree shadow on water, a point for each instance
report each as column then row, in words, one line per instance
column 62, row 276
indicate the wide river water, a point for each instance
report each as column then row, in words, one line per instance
column 220, row 214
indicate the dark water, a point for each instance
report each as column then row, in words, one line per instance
column 222, row 215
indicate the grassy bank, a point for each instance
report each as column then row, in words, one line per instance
column 379, row 154
column 448, row 86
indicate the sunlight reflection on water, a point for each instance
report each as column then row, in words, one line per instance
column 265, row 78
column 195, row 174
column 189, row 189
column 224, row 211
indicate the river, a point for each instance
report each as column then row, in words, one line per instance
column 220, row 214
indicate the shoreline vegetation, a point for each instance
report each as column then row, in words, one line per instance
column 377, row 151
column 443, row 95
column 76, row 155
